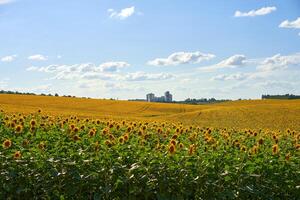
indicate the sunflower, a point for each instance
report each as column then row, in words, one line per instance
column 76, row 129
column 19, row 129
column 92, row 133
column 76, row 138
column 111, row 137
column 108, row 143
column 140, row 133
column 275, row 149
column 17, row 155
column 72, row 126
column 192, row 149
column 104, row 131
column 173, row 142
column 32, row 122
column 6, row 144
column 175, row 136
column 126, row 137
column 32, row 129
column 181, row 145
column 172, row 149
column 121, row 140
column 260, row 141
column 254, row 150
column 12, row 124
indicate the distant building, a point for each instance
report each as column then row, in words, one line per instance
column 150, row 97
column 166, row 98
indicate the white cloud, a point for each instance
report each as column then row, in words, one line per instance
column 181, row 58
column 82, row 71
column 2, row 2
column 271, row 84
column 278, row 62
column 113, row 66
column 59, row 57
column 142, row 76
column 8, row 58
column 290, row 24
column 37, row 57
column 231, row 62
column 228, row 77
column 253, row 13
column 122, row 14
column 114, row 86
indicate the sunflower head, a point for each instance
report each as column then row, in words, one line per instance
column 17, row 155
column 275, row 149
column 6, row 144
column 172, row 149
column 76, row 129
column 92, row 133
column 181, row 145
column 76, row 138
column 108, row 143
column 175, row 136
column 32, row 122
column 19, row 129
column 126, row 137
column 173, row 142
column 192, row 149
column 121, row 140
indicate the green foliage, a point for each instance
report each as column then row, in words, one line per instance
column 56, row 165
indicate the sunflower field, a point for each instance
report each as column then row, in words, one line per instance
column 60, row 157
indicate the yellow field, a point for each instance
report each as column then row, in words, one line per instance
column 254, row 114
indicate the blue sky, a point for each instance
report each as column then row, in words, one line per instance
column 125, row 49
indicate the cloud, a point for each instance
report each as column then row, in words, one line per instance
column 226, row 77
column 278, row 62
column 123, row 14
column 231, row 62
column 82, row 71
column 113, row 66
column 253, row 13
column 142, row 76
column 181, row 58
column 115, row 86
column 8, row 58
column 290, row 24
column 2, row 2
column 270, row 84
column 37, row 57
